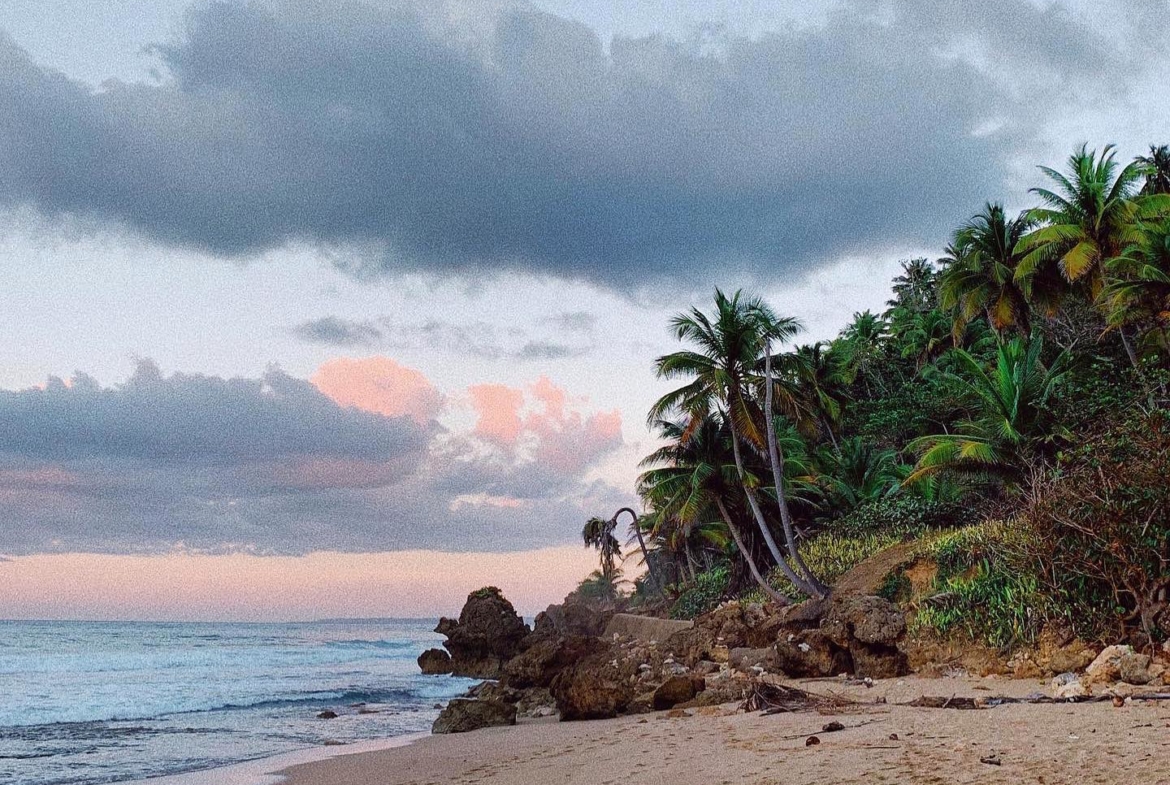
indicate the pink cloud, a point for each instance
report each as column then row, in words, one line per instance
column 380, row 385
column 543, row 421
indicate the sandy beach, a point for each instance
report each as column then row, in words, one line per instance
column 881, row 742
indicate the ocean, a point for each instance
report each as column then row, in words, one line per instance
column 98, row 702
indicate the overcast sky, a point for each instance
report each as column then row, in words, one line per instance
column 285, row 279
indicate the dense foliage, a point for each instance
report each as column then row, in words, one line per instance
column 1006, row 410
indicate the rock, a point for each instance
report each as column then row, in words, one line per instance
column 806, row 614
column 487, row 634
column 597, row 687
column 644, row 628
column 1135, row 669
column 812, row 653
column 434, row 662
column 676, row 690
column 327, row 715
column 1107, row 666
column 462, row 715
column 1067, row 685
column 706, row 667
column 877, row 661
column 494, row 691
column 575, row 616
column 743, row 659
column 543, row 659
column 867, row 620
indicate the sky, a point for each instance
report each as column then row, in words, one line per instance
column 348, row 308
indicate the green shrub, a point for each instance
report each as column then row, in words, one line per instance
column 904, row 515
column 832, row 554
column 703, row 595
column 987, row 588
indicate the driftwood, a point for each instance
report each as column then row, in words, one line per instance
column 771, row 698
column 935, row 702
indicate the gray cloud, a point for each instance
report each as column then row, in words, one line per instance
column 273, row 465
column 475, row 339
column 513, row 139
column 333, row 331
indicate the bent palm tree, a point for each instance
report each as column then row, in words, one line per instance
column 720, row 369
column 636, row 528
column 598, row 533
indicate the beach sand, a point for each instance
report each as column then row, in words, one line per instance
column 1085, row 743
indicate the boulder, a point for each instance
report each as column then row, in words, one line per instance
column 1106, row 667
column 812, row 653
column 877, row 661
column 678, row 689
column 434, row 661
column 866, row 619
column 487, row 634
column 462, row 715
column 1135, row 669
column 546, row 657
column 1067, row 685
column 599, row 686
column 573, row 617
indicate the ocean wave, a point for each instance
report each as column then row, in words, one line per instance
column 378, row 644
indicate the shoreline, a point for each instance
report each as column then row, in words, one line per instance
column 270, row 770
column 883, row 740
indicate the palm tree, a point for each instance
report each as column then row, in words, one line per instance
column 691, row 480
column 1009, row 415
column 979, row 274
column 721, row 373
column 863, row 345
column 1138, row 293
column 1156, row 167
column 636, row 529
column 915, row 289
column 820, row 377
column 858, row 473
column 598, row 533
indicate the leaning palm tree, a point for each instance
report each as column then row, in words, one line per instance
column 979, row 274
column 636, row 531
column 598, row 533
column 1009, row 416
column 722, row 371
column 1156, row 167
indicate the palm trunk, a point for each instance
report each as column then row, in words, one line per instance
column 747, row 556
column 762, row 524
column 642, row 546
column 777, row 460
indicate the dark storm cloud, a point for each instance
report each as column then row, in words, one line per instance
column 514, row 139
column 193, row 419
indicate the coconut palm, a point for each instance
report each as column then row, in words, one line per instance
column 1156, row 167
column 636, row 531
column 979, row 274
column 858, row 473
column 862, row 344
column 915, row 289
column 692, row 480
column 1008, row 418
column 1088, row 219
column 821, row 379
column 721, row 372
column 1138, row 293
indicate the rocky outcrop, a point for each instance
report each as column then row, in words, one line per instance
column 573, row 617
column 676, row 690
column 545, row 657
column 463, row 714
column 434, row 662
column 487, row 634
column 596, row 687
column 869, row 628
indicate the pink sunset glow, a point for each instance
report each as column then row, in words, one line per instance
column 184, row 586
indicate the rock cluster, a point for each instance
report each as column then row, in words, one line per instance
column 486, row 635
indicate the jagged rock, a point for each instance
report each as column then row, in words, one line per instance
column 573, row 617
column 1135, row 669
column 487, row 634
column 867, row 620
column 434, row 661
column 494, row 691
column 676, row 690
column 812, row 653
column 1107, row 666
column 877, row 661
column 597, row 687
column 543, row 659
column 806, row 614
column 462, row 715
